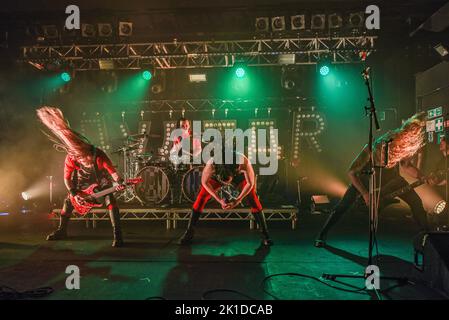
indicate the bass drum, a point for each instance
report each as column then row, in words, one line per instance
column 155, row 186
column 191, row 183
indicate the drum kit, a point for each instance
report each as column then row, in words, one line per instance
column 169, row 181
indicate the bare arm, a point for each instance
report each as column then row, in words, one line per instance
column 248, row 172
column 412, row 171
column 205, row 177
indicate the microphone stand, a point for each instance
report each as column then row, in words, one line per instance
column 373, row 121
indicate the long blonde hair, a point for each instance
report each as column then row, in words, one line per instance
column 406, row 140
column 68, row 139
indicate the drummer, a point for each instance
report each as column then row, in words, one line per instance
column 195, row 143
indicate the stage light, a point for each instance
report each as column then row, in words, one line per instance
column 125, row 29
column 105, row 29
column 335, row 21
column 320, row 204
column 356, row 20
column 318, row 21
column 26, row 196
column 88, row 30
column 146, row 75
column 65, row 76
column 441, row 49
column 278, row 23
column 240, row 72
column 201, row 77
column 262, row 24
column 286, row 58
column 439, row 207
column 298, row 22
column 324, row 70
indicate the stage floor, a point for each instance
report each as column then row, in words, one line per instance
column 225, row 255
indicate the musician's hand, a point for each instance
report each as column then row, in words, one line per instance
column 233, row 204
column 120, row 187
column 432, row 180
column 366, row 198
column 224, row 204
column 79, row 199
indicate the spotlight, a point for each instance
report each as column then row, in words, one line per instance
column 240, row 72
column 356, row 20
column 146, row 75
column 65, row 76
column 298, row 22
column 324, row 70
column 105, row 29
column 26, row 196
column 88, row 30
column 320, row 204
column 323, row 66
column 125, row 29
column 50, row 32
column 262, row 24
column 439, row 207
column 335, row 21
column 441, row 49
column 198, row 77
column 278, row 23
column 318, row 21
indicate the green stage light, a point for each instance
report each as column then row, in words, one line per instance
column 146, row 75
column 324, row 70
column 65, row 76
column 240, row 72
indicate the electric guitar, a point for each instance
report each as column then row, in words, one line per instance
column 93, row 198
column 389, row 198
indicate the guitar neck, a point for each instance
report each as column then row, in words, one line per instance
column 104, row 192
column 407, row 188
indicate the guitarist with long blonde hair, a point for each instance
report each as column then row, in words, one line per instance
column 84, row 165
column 403, row 144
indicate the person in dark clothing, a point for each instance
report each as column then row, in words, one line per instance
column 404, row 142
column 84, row 165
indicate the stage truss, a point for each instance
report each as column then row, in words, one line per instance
column 194, row 54
column 172, row 215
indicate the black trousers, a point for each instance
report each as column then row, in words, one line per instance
column 67, row 207
column 351, row 194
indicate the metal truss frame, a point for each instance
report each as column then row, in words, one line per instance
column 213, row 105
column 171, row 216
column 194, row 54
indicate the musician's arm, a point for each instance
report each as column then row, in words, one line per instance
column 196, row 146
column 69, row 168
column 355, row 171
column 208, row 171
column 248, row 172
column 106, row 163
column 408, row 168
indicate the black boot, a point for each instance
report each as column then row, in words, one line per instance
column 114, row 215
column 187, row 237
column 61, row 232
column 320, row 240
column 260, row 219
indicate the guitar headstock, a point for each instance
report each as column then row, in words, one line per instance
column 134, row 181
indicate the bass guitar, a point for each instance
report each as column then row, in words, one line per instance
column 93, row 198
